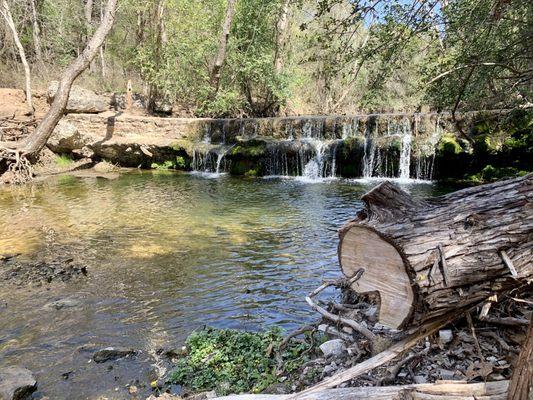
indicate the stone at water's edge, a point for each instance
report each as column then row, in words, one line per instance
column 16, row 383
column 112, row 353
column 81, row 100
column 333, row 347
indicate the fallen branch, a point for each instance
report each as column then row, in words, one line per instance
column 382, row 358
column 506, row 321
column 440, row 390
column 337, row 318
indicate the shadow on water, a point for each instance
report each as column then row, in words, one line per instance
column 166, row 253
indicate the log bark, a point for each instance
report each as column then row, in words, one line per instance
column 222, row 46
column 6, row 13
column 37, row 140
column 521, row 387
column 440, row 390
column 428, row 257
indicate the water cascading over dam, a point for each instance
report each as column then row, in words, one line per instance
column 317, row 147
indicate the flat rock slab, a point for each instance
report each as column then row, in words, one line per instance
column 16, row 383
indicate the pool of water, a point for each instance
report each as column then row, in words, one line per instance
column 167, row 253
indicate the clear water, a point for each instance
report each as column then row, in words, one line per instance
column 167, row 253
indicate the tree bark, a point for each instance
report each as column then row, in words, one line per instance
column 428, row 257
column 88, row 12
column 36, row 31
column 6, row 13
column 160, row 41
column 281, row 34
column 37, row 140
column 521, row 387
column 425, row 391
column 223, row 44
column 102, row 47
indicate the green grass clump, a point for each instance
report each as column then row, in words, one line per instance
column 232, row 361
column 63, row 160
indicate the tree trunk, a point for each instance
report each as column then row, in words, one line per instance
column 428, row 257
column 37, row 140
column 521, row 387
column 223, row 44
column 6, row 13
column 281, row 34
column 102, row 47
column 36, row 33
column 88, row 11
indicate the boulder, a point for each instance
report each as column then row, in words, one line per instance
column 16, row 383
column 81, row 100
column 65, row 138
column 333, row 347
column 112, row 353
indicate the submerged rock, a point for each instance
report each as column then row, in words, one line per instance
column 112, row 353
column 20, row 273
column 16, row 383
column 333, row 347
column 63, row 303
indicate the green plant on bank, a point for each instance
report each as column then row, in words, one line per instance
column 490, row 174
column 178, row 163
column 63, row 160
column 232, row 361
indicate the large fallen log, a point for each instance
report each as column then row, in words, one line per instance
column 426, row 258
column 444, row 390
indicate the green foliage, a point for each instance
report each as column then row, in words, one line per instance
column 63, row 160
column 231, row 361
column 338, row 56
column 490, row 174
column 449, row 144
column 178, row 163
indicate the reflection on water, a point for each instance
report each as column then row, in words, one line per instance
column 167, row 253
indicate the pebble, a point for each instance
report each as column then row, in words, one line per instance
column 445, row 336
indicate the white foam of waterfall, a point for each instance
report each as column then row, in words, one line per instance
column 221, row 152
column 405, row 156
column 369, row 153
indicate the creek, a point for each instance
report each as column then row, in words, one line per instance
column 166, row 253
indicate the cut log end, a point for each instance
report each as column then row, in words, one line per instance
column 385, row 272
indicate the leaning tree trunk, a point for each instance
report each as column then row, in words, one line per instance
column 521, row 387
column 429, row 257
column 37, row 140
column 6, row 13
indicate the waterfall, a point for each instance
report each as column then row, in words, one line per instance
column 369, row 155
column 221, row 152
column 373, row 146
column 405, row 156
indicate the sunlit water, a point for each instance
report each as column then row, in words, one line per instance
column 167, row 253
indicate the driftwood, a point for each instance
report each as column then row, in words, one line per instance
column 429, row 257
column 336, row 318
column 442, row 390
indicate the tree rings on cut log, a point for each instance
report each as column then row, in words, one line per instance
column 385, row 272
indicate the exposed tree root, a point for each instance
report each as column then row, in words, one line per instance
column 19, row 168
